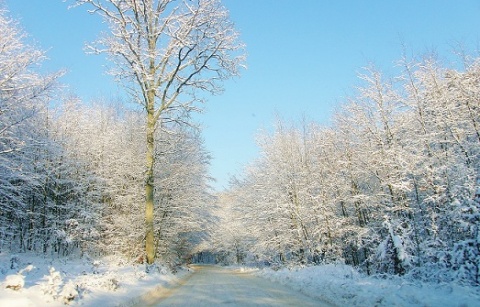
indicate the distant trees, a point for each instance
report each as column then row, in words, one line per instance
column 165, row 53
column 391, row 186
column 230, row 240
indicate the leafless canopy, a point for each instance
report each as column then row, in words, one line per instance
column 171, row 47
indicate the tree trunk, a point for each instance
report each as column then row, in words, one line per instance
column 149, row 184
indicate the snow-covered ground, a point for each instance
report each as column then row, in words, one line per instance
column 342, row 285
column 108, row 282
column 36, row 281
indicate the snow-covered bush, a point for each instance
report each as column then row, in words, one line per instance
column 112, row 284
column 69, row 292
column 14, row 262
column 52, row 284
column 466, row 253
column 17, row 281
column 14, row 282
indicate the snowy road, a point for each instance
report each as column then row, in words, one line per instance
column 216, row 286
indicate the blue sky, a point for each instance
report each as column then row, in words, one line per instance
column 303, row 58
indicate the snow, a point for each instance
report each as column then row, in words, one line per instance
column 77, row 282
column 15, row 282
column 342, row 285
column 113, row 282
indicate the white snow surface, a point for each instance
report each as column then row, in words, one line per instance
column 113, row 282
column 78, row 282
column 342, row 285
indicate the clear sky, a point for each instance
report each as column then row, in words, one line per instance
column 303, row 58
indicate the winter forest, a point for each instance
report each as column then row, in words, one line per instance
column 390, row 187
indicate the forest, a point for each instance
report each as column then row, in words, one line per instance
column 391, row 187
column 72, row 172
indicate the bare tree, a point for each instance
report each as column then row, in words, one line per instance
column 22, row 90
column 24, row 95
column 165, row 51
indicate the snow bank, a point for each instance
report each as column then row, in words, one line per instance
column 342, row 285
column 111, row 282
column 80, row 282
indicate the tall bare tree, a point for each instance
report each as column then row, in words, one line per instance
column 165, row 51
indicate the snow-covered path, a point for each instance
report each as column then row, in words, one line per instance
column 214, row 286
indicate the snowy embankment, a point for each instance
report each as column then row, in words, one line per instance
column 342, row 285
column 36, row 281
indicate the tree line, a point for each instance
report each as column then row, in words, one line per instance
column 72, row 172
column 392, row 186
